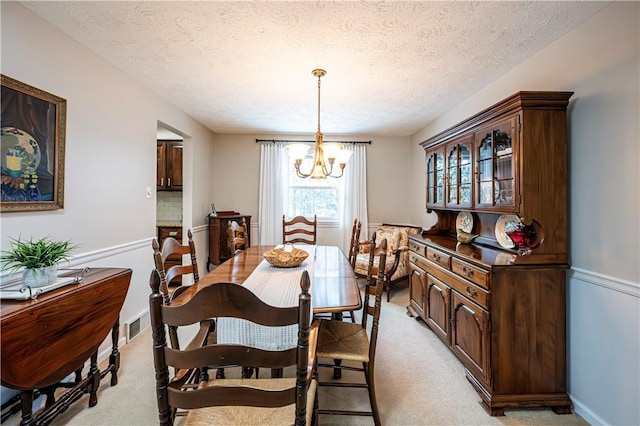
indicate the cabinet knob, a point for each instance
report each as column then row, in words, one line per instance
column 467, row 271
column 436, row 256
column 168, row 181
column 471, row 292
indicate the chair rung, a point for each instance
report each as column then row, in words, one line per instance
column 346, row 413
column 342, row 367
column 343, row 385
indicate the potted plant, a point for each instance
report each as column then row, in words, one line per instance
column 39, row 259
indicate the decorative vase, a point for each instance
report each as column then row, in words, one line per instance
column 40, row 277
column 526, row 237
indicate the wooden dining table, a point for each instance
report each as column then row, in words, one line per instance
column 334, row 288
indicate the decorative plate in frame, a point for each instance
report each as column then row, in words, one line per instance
column 464, row 222
column 508, row 221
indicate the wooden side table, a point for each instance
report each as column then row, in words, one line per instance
column 46, row 339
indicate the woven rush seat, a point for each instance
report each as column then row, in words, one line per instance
column 228, row 415
column 343, row 340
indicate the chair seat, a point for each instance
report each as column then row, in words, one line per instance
column 238, row 415
column 342, row 340
column 361, row 267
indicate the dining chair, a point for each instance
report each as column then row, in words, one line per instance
column 169, row 272
column 233, row 401
column 299, row 230
column 236, row 236
column 353, row 245
column 355, row 342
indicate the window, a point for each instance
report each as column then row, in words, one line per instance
column 309, row 197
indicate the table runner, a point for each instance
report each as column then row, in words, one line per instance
column 277, row 287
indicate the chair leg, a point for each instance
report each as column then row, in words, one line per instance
column 372, row 394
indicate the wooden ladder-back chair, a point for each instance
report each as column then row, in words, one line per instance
column 233, row 401
column 237, row 235
column 170, row 286
column 168, row 272
column 299, row 230
column 353, row 244
column 353, row 342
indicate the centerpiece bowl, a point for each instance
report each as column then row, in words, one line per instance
column 285, row 257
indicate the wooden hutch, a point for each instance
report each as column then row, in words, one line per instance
column 218, row 247
column 501, row 313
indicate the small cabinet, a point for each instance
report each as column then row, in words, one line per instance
column 218, row 238
column 417, row 297
column 459, row 173
column 435, row 178
column 470, row 335
column 438, row 307
column 169, row 166
column 496, row 185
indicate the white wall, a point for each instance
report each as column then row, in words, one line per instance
column 599, row 61
column 236, row 165
column 110, row 154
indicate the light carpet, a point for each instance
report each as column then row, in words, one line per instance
column 418, row 382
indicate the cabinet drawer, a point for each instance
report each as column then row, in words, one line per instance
column 165, row 232
column 471, row 291
column 470, row 272
column 417, row 248
column 439, row 257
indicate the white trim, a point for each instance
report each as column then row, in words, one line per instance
column 612, row 283
column 586, row 413
column 104, row 253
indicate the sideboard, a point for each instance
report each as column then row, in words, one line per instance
column 218, row 249
column 499, row 307
column 46, row 339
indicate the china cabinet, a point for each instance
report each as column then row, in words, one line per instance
column 169, row 166
column 499, row 303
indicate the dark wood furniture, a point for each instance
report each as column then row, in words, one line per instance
column 501, row 313
column 218, row 245
column 299, row 230
column 353, row 244
column 169, row 166
column 334, row 290
column 277, row 400
column 339, row 341
column 45, row 340
column 171, row 273
column 237, row 235
column 171, row 231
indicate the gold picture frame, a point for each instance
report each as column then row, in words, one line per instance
column 33, row 125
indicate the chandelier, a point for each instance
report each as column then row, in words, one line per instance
column 325, row 155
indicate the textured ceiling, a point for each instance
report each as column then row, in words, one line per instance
column 245, row 67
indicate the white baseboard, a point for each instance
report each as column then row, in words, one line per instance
column 583, row 411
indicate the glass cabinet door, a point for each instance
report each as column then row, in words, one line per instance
column 435, row 178
column 495, row 166
column 459, row 174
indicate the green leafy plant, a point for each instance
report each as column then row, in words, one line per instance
column 35, row 254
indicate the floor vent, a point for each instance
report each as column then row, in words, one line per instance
column 134, row 327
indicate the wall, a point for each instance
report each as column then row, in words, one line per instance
column 599, row 61
column 110, row 154
column 387, row 174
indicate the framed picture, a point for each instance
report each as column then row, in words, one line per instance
column 33, row 126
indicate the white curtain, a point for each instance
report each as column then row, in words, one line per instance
column 274, row 184
column 354, row 192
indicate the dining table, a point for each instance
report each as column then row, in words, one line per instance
column 334, row 287
column 334, row 290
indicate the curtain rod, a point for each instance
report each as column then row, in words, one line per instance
column 288, row 141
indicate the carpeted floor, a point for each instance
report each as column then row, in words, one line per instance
column 418, row 382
